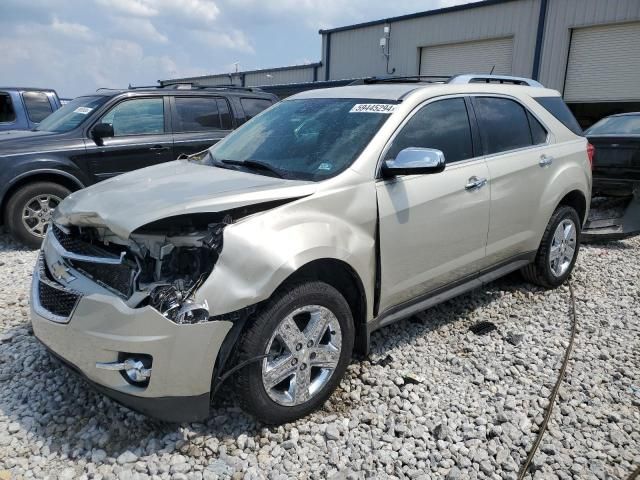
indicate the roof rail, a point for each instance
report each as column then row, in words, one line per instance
column 402, row 79
column 485, row 78
column 196, row 86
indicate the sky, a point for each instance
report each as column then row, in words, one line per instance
column 76, row 46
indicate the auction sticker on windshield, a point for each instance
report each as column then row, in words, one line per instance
column 83, row 110
column 372, row 108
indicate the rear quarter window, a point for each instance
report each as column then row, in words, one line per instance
column 556, row 107
column 253, row 106
column 7, row 113
column 38, row 106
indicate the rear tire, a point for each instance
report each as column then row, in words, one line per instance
column 29, row 210
column 307, row 331
column 558, row 250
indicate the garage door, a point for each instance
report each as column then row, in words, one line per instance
column 469, row 57
column 604, row 64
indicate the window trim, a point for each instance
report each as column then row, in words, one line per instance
column 547, row 141
column 15, row 115
column 174, row 112
column 108, row 107
column 478, row 156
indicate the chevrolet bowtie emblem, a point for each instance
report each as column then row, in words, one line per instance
column 60, row 272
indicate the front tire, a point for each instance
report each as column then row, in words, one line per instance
column 558, row 250
column 30, row 208
column 307, row 332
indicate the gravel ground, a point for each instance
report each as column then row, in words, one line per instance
column 433, row 400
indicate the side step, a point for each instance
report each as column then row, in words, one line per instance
column 615, row 228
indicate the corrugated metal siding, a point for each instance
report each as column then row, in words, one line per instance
column 598, row 56
column 357, row 53
column 468, row 57
column 563, row 15
column 266, row 77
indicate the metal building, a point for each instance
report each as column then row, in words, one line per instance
column 587, row 49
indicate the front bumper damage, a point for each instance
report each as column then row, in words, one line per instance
column 84, row 324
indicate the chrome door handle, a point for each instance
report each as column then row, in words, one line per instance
column 158, row 148
column 475, row 183
column 545, row 160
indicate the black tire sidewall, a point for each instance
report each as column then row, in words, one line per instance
column 559, row 216
column 15, row 206
column 253, row 396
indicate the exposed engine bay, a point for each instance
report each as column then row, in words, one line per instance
column 161, row 265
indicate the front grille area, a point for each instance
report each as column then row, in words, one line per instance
column 53, row 297
column 75, row 245
column 115, row 277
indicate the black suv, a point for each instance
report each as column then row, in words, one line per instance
column 101, row 135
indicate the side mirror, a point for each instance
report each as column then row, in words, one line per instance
column 414, row 161
column 100, row 131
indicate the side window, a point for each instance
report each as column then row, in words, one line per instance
column 143, row 116
column 503, row 124
column 253, row 106
column 225, row 114
column 197, row 114
column 38, row 105
column 559, row 109
column 538, row 132
column 7, row 113
column 443, row 125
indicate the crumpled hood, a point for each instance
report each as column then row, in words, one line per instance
column 130, row 201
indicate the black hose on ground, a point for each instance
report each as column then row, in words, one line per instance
column 554, row 392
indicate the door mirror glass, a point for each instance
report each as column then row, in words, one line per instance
column 100, row 131
column 414, row 161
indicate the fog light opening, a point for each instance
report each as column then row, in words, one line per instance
column 136, row 368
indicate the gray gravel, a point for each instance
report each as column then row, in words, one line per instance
column 432, row 401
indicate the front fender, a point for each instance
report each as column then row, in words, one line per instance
column 260, row 253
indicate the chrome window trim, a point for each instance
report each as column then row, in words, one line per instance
column 547, row 141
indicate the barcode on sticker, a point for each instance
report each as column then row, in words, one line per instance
column 372, row 108
column 83, row 110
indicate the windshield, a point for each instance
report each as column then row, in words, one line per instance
column 71, row 115
column 622, row 125
column 307, row 139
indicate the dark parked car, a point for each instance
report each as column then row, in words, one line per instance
column 25, row 108
column 616, row 173
column 616, row 164
column 101, row 135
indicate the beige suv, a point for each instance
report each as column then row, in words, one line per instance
column 268, row 260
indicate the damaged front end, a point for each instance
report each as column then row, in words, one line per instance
column 160, row 265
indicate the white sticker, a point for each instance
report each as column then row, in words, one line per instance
column 324, row 166
column 373, row 108
column 82, row 110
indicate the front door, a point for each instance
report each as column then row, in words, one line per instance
column 140, row 139
column 433, row 228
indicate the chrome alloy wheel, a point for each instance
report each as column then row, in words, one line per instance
column 37, row 212
column 563, row 247
column 303, row 353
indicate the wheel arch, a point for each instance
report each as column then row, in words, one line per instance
column 577, row 200
column 49, row 175
column 343, row 277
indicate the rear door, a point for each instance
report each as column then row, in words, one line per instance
column 199, row 122
column 516, row 150
column 8, row 115
column 141, row 137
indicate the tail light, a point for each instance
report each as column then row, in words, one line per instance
column 591, row 151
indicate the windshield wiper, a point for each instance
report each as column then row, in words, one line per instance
column 255, row 165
